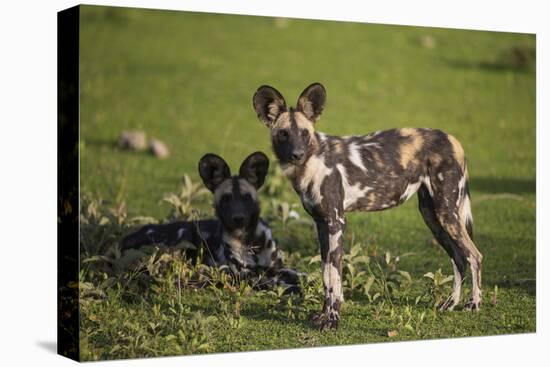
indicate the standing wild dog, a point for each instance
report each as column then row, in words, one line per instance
column 238, row 238
column 336, row 174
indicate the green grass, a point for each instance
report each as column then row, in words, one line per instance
column 188, row 79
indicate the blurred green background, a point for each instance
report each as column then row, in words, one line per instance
column 188, row 80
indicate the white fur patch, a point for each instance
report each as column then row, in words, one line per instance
column 352, row 193
column 355, row 156
column 333, row 240
column 338, row 217
column 239, row 252
column 268, row 247
column 262, row 228
column 476, row 290
column 466, row 210
column 149, row 231
column 461, row 185
column 426, row 181
column 412, row 188
column 264, row 257
column 440, row 176
column 410, row 191
column 288, row 169
column 180, row 232
column 457, row 283
column 314, row 173
column 331, row 279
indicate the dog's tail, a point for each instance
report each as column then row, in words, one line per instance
column 466, row 208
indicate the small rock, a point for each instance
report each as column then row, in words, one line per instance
column 392, row 333
column 132, row 140
column 427, row 42
column 158, row 149
column 294, row 214
column 281, row 22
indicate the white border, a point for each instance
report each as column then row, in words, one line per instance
column 28, row 181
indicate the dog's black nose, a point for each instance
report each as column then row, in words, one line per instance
column 297, row 155
column 238, row 219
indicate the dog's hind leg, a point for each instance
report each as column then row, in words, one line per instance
column 458, row 232
column 458, row 258
column 450, row 219
column 465, row 215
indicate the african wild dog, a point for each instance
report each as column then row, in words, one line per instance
column 336, row 174
column 238, row 238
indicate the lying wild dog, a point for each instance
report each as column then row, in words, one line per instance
column 238, row 238
column 336, row 174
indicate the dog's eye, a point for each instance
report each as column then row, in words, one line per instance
column 247, row 196
column 225, row 198
column 305, row 133
column 283, row 134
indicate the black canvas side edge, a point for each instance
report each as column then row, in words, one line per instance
column 68, row 24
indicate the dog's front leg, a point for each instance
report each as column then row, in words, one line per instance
column 330, row 231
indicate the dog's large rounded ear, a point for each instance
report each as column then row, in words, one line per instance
column 254, row 169
column 268, row 104
column 213, row 171
column 312, row 101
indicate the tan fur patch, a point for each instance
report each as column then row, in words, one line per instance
column 453, row 231
column 303, row 122
column 457, row 150
column 408, row 150
column 407, row 131
column 435, row 159
column 283, row 122
column 377, row 159
column 371, row 198
column 337, row 146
